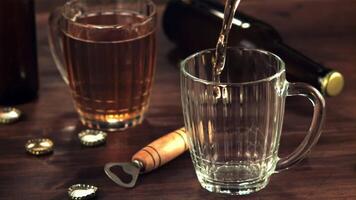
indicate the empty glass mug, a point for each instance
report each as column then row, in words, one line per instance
column 105, row 51
column 234, row 125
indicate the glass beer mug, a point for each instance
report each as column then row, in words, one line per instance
column 234, row 125
column 106, row 52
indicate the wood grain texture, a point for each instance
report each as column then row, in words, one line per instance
column 324, row 29
column 162, row 150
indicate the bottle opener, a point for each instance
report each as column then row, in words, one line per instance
column 151, row 157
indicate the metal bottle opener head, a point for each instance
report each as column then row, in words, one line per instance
column 130, row 168
column 152, row 156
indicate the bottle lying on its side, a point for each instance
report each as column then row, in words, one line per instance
column 195, row 24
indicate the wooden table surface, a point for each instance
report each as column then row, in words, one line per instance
column 323, row 30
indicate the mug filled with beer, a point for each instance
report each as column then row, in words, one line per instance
column 105, row 51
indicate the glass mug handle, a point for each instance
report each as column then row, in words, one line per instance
column 302, row 89
column 54, row 40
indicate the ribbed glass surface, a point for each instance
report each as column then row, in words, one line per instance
column 234, row 126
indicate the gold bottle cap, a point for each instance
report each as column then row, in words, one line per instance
column 9, row 115
column 332, row 83
column 91, row 137
column 82, row 191
column 39, row 146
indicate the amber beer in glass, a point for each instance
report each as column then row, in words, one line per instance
column 106, row 52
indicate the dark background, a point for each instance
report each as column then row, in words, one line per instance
column 323, row 29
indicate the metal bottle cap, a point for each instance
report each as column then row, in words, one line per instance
column 9, row 115
column 82, row 191
column 39, row 146
column 332, row 83
column 91, row 137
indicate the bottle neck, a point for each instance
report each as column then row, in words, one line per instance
column 292, row 56
column 301, row 68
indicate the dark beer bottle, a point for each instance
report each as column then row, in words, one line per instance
column 18, row 56
column 195, row 24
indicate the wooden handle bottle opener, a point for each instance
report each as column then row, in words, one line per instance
column 151, row 157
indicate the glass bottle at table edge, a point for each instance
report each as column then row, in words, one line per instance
column 195, row 24
column 18, row 52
